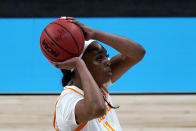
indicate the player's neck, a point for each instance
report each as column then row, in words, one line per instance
column 77, row 81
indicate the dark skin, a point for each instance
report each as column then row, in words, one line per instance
column 98, row 64
column 94, row 69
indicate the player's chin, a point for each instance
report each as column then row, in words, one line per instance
column 108, row 77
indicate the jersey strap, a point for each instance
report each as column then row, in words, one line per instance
column 81, row 126
column 105, row 89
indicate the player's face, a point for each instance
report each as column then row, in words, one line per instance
column 98, row 64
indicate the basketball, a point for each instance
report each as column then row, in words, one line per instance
column 61, row 40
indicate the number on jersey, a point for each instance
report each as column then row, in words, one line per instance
column 108, row 127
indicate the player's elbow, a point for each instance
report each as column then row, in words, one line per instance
column 139, row 53
column 142, row 53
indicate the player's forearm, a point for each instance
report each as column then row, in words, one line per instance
column 124, row 45
column 92, row 93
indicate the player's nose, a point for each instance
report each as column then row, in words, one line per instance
column 107, row 62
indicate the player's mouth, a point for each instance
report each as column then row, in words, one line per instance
column 109, row 71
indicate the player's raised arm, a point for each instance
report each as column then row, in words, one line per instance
column 92, row 106
column 130, row 52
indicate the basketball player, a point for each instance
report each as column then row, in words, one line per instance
column 85, row 103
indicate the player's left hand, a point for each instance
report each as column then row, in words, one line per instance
column 88, row 31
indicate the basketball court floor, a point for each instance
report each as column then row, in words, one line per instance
column 136, row 112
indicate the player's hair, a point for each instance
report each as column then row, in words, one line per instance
column 67, row 76
column 110, row 105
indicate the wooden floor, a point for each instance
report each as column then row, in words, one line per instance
column 136, row 113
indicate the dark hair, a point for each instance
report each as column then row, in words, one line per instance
column 110, row 105
column 67, row 76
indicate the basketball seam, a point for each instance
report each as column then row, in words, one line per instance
column 58, row 44
column 76, row 43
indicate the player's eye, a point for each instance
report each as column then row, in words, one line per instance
column 100, row 58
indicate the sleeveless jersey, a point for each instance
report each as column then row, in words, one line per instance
column 64, row 115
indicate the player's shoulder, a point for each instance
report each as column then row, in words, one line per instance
column 72, row 90
column 70, row 95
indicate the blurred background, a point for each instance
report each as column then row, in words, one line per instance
column 166, row 29
column 156, row 94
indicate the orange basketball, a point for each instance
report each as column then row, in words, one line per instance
column 61, row 40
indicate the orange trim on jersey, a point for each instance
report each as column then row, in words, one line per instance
column 105, row 89
column 75, row 91
column 55, row 113
column 81, row 125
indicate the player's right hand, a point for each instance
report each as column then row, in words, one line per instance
column 68, row 64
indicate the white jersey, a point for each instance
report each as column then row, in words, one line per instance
column 64, row 116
